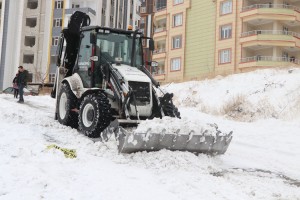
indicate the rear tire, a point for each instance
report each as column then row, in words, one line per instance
column 94, row 114
column 66, row 101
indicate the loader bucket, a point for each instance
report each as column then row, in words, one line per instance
column 207, row 144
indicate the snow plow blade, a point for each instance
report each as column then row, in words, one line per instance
column 207, row 144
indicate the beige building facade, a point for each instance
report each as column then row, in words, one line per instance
column 221, row 37
column 169, row 33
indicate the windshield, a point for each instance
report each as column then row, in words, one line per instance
column 118, row 47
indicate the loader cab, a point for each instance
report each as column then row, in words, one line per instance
column 102, row 46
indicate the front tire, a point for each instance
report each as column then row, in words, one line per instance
column 67, row 101
column 94, row 114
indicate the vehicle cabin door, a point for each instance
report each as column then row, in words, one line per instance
column 84, row 63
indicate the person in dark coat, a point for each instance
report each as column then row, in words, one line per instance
column 15, row 86
column 22, row 82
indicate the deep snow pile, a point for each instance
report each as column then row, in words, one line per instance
column 184, row 126
column 262, row 94
column 262, row 161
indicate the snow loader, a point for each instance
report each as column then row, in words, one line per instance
column 103, row 88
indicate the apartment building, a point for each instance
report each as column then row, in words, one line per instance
column 169, row 34
column 35, row 38
column 108, row 13
column 269, row 34
column 220, row 37
column 23, row 39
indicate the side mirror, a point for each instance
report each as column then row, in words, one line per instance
column 93, row 37
column 151, row 44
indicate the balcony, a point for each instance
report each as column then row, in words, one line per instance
column 160, row 27
column 160, row 11
column 270, row 38
column 70, row 11
column 268, row 61
column 159, row 74
column 158, row 51
column 259, row 13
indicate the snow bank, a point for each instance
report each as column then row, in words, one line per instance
column 262, row 94
column 262, row 161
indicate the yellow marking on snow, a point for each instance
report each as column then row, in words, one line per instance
column 69, row 153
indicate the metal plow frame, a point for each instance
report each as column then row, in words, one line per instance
column 135, row 142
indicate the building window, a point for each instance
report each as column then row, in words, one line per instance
column 175, row 64
column 225, row 56
column 75, row 5
column 177, row 20
column 31, row 22
column 226, row 7
column 58, row 5
column 29, row 41
column 177, row 2
column 161, row 5
column 32, row 4
column 51, row 78
column 176, row 42
column 28, row 58
column 57, row 22
column 143, row 10
column 226, row 32
column 55, row 41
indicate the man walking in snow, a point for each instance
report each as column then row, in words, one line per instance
column 22, row 82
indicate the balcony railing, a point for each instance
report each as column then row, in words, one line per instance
column 161, row 50
column 157, row 9
column 160, row 29
column 158, row 72
column 270, row 32
column 270, row 58
column 257, row 6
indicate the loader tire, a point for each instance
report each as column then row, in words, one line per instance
column 66, row 101
column 94, row 114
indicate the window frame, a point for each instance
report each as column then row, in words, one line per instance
column 175, row 2
column 57, row 22
column 222, row 10
column 51, row 77
column 58, row 4
column 221, row 32
column 172, row 69
column 180, row 42
column 174, row 20
column 221, row 60
column 55, row 40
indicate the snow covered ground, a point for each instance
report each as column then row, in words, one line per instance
column 262, row 161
